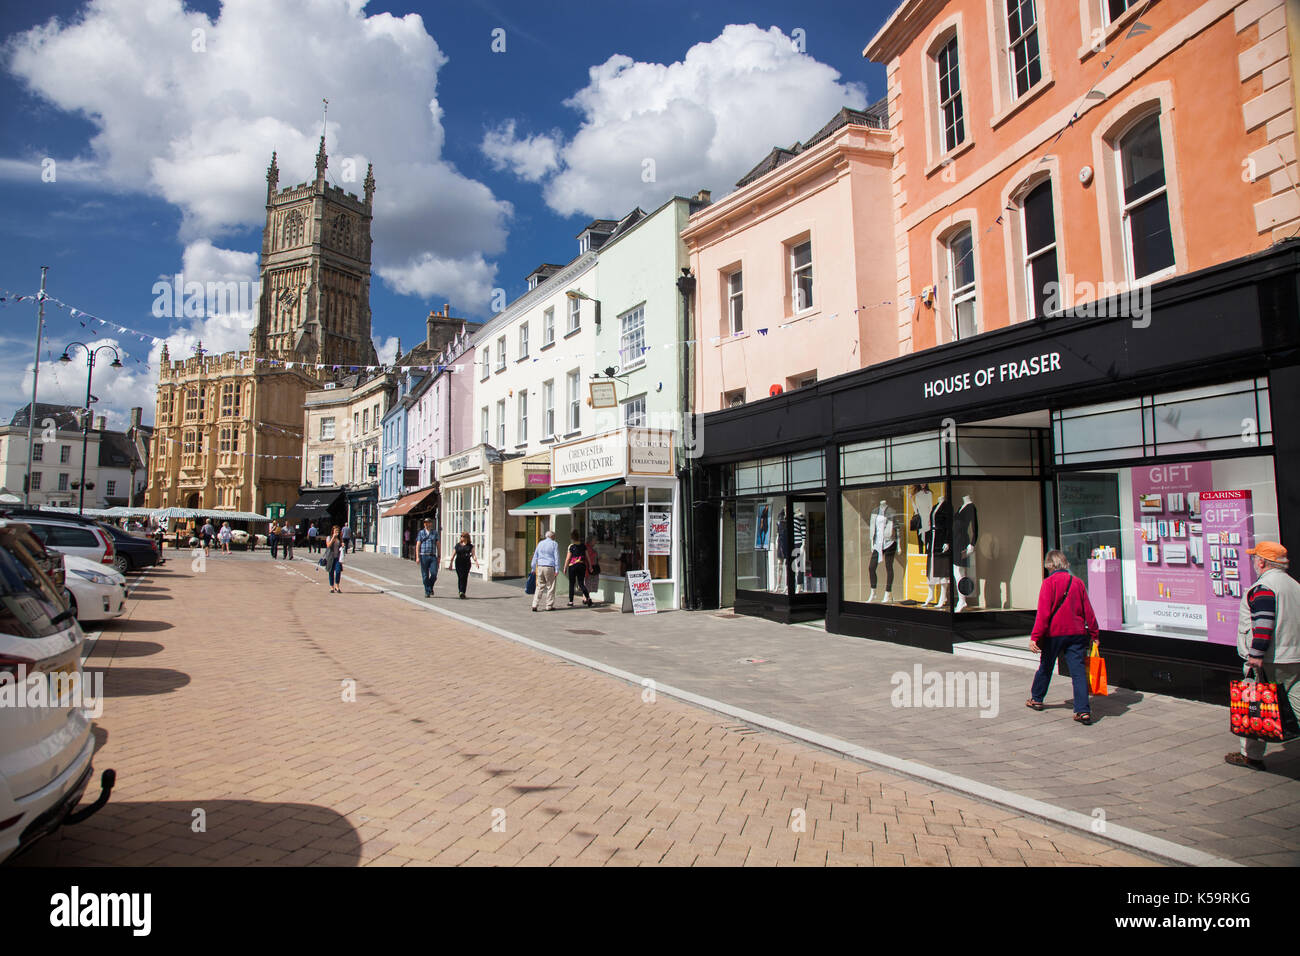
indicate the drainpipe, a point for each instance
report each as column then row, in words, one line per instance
column 686, row 471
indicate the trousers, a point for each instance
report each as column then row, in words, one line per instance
column 888, row 557
column 545, row 594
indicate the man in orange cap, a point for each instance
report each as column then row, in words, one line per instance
column 1268, row 636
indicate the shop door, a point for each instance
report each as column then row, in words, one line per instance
column 807, row 566
column 1089, row 508
column 530, row 538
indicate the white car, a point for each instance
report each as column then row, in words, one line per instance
column 46, row 745
column 98, row 592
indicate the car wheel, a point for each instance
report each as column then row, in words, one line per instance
column 72, row 606
column 121, row 565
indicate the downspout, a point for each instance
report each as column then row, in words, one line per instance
column 686, row 473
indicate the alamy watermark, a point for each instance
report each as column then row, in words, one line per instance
column 923, row 688
column 177, row 298
column 1100, row 300
column 43, row 690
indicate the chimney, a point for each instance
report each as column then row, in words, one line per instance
column 101, row 423
column 704, row 197
column 136, row 415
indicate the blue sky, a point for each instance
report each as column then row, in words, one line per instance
column 160, row 120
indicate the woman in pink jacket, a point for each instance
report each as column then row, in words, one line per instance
column 1065, row 625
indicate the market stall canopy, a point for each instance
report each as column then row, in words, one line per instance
column 562, row 500
column 408, row 503
column 313, row 505
column 216, row 514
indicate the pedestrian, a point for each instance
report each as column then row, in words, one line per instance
column 347, row 538
column 312, row 543
column 546, row 558
column 334, row 561
column 224, row 537
column 274, row 534
column 1065, row 625
column 427, row 545
column 207, row 533
column 1268, row 636
column 593, row 565
column 287, row 534
column 575, row 566
column 462, row 559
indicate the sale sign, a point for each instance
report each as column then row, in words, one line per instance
column 639, row 593
column 1229, row 533
column 659, row 531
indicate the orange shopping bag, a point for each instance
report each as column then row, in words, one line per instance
column 1097, row 672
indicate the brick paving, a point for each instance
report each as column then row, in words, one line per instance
column 1149, row 762
column 228, row 723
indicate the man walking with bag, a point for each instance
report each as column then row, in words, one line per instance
column 546, row 558
column 1268, row 637
column 426, row 543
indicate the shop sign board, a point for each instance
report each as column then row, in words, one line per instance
column 589, row 459
column 639, row 593
column 470, row 461
column 650, row 451
column 1170, row 574
column 542, row 478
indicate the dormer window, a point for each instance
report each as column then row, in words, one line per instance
column 584, row 243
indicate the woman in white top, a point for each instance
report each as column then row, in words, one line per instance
column 224, row 536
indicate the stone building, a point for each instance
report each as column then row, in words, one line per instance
column 229, row 427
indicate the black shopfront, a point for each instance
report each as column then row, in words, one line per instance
column 913, row 501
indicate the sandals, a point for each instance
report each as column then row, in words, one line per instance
column 1034, row 704
column 1084, row 719
column 1241, row 760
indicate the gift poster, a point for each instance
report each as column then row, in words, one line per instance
column 1229, row 532
column 1171, row 585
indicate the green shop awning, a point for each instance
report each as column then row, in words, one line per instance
column 562, row 500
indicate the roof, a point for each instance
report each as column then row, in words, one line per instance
column 65, row 416
column 116, row 450
column 875, row 116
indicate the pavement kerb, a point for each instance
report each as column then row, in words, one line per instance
column 1125, row 837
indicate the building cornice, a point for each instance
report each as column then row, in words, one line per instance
column 902, row 28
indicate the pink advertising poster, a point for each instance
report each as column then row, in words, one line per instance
column 1229, row 532
column 1169, row 546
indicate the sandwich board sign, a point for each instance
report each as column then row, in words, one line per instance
column 639, row 593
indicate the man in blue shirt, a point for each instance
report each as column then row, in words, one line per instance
column 546, row 558
column 426, row 543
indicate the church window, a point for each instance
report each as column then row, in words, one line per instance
column 294, row 227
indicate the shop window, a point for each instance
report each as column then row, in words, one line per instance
column 780, row 545
column 997, row 451
column 807, row 470
column 1148, row 240
column 1193, row 421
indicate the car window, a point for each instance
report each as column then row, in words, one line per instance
column 27, row 604
column 65, row 537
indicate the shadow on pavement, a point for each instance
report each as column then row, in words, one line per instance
column 140, row 681
column 113, row 649
column 132, row 624
column 253, row 833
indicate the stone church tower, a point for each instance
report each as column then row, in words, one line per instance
column 315, row 272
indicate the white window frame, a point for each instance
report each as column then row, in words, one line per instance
column 573, row 420
column 522, row 437
column 1106, row 15
column 326, row 478
column 631, row 339
column 548, row 327
column 485, row 420
column 734, row 289
column 1126, row 207
column 1023, row 40
column 575, row 315
column 1030, row 255
column 523, row 341
column 327, row 428
column 487, row 363
column 548, row 408
column 634, row 412
column 501, row 353
column 954, row 96
column 501, row 423
column 967, row 293
column 796, row 271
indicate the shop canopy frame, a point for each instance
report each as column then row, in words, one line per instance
column 313, row 504
column 408, row 503
column 562, row 500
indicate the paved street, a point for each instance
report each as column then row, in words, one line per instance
column 238, row 738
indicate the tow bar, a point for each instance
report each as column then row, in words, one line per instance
column 106, row 781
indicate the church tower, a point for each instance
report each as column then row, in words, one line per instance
column 315, row 272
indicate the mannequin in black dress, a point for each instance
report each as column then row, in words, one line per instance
column 965, row 534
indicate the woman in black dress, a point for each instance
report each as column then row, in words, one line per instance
column 575, row 566
column 461, row 560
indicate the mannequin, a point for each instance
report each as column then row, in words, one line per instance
column 884, row 544
column 779, row 582
column 965, row 534
column 922, row 500
column 798, row 560
column 939, row 540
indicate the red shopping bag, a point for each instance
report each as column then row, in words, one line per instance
column 1259, row 710
column 1097, row 672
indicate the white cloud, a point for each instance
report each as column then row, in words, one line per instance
column 189, row 109
column 470, row 279
column 530, row 158
column 386, row 348
column 694, row 120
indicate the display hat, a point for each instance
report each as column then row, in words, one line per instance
column 966, row 586
column 1269, row 551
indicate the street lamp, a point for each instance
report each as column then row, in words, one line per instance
column 583, row 297
column 85, row 421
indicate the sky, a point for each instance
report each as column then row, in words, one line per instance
column 135, row 136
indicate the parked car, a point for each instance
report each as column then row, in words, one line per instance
column 85, row 540
column 46, row 745
column 97, row 593
column 135, row 552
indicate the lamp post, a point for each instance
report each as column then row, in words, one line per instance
column 85, row 421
